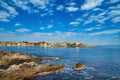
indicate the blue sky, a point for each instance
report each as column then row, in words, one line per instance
column 95, row 22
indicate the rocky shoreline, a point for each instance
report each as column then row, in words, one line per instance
column 17, row 66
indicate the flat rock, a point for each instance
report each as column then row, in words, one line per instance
column 28, row 70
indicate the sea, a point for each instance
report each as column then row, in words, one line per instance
column 102, row 62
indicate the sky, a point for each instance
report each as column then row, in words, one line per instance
column 95, row 22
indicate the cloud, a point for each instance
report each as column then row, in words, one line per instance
column 116, row 19
column 90, row 4
column 42, row 28
column 74, row 23
column 23, row 30
column 34, row 6
column 50, row 12
column 42, row 4
column 60, row 8
column 79, row 19
column 114, row 1
column 115, row 31
column 115, row 7
column 42, row 15
column 114, row 13
column 22, row 4
column 93, row 28
column 49, row 26
column 4, row 16
column 39, row 36
column 7, row 12
column 100, row 18
column 72, row 9
column 10, row 9
column 17, row 24
column 1, row 29
column 72, row 4
column 97, row 9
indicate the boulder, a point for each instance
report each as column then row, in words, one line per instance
column 79, row 66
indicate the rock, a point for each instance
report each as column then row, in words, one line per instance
column 24, row 65
column 79, row 66
column 28, row 70
column 9, row 58
column 17, row 66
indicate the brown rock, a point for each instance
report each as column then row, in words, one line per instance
column 28, row 70
column 9, row 58
column 79, row 66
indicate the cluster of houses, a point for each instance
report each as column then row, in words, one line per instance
column 44, row 44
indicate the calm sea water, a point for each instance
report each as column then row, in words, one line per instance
column 102, row 63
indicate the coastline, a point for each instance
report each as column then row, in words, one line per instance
column 14, row 66
column 46, row 44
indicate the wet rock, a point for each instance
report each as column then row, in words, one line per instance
column 79, row 66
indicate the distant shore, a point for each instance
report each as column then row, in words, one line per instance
column 46, row 44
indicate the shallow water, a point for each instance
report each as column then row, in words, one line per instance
column 102, row 63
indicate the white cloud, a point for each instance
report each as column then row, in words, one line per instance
column 72, row 9
column 93, row 28
column 7, row 13
column 4, row 16
column 42, row 4
column 74, row 23
column 10, row 9
column 23, row 30
column 50, row 12
column 60, row 8
column 115, row 31
column 79, row 19
column 114, row 1
column 90, row 4
column 42, row 15
column 49, row 26
column 100, row 18
column 114, row 13
column 72, row 4
column 1, row 29
column 35, row 6
column 17, row 24
column 22, row 4
column 42, row 28
column 85, row 15
column 115, row 7
column 97, row 9
column 116, row 19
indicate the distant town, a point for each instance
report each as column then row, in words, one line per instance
column 44, row 44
